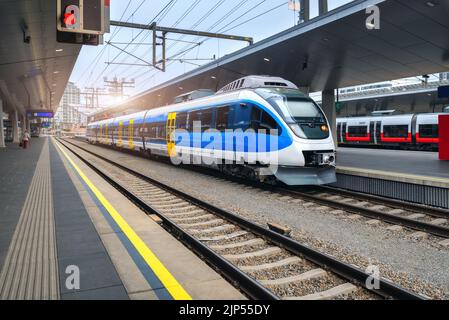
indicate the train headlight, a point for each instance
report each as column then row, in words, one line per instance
column 298, row 131
column 324, row 128
column 328, row 158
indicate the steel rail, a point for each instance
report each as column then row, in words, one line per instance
column 373, row 214
column 431, row 211
column 387, row 289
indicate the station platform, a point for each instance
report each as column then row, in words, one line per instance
column 413, row 176
column 416, row 167
column 65, row 233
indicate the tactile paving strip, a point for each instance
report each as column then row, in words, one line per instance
column 30, row 270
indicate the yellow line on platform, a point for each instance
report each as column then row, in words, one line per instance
column 167, row 279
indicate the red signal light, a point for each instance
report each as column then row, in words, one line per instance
column 69, row 19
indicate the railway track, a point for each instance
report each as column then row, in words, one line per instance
column 424, row 220
column 262, row 263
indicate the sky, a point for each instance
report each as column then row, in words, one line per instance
column 254, row 18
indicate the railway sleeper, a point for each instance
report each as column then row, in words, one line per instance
column 309, row 275
column 252, row 242
column 268, row 266
column 344, row 289
column 255, row 254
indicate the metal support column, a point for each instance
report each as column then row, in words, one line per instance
column 15, row 126
column 304, row 14
column 28, row 122
column 2, row 133
column 328, row 105
column 24, row 122
column 323, row 7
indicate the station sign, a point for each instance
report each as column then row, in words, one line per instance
column 443, row 92
column 40, row 114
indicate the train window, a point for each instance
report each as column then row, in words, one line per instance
column 193, row 116
column 262, row 120
column 357, row 131
column 156, row 130
column 256, row 115
column 267, row 122
column 153, row 131
column 181, row 120
column 221, row 120
column 396, row 131
column 241, row 117
column 125, row 131
column 428, row 131
column 206, row 119
column 161, row 130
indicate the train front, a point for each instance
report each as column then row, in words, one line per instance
column 310, row 158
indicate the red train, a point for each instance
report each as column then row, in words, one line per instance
column 409, row 131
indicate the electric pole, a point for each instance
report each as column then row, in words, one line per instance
column 117, row 86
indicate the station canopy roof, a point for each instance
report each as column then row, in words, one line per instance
column 29, row 72
column 332, row 51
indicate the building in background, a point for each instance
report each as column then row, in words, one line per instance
column 68, row 115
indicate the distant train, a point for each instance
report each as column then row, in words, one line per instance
column 304, row 152
column 409, row 131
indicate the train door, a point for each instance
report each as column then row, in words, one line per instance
column 339, row 140
column 414, row 129
column 106, row 129
column 378, row 131
column 373, row 132
column 120, row 134
column 374, row 129
column 144, row 130
column 131, row 134
column 113, row 132
column 169, row 133
column 343, row 131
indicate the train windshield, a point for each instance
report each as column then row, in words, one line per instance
column 304, row 117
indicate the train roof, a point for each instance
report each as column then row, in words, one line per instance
column 388, row 117
column 254, row 81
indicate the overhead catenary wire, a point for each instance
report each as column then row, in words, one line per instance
column 179, row 39
column 186, row 49
column 133, row 39
column 188, row 11
column 100, row 54
column 162, row 14
column 244, row 22
column 116, row 31
column 257, row 16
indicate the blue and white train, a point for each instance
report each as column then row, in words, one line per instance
column 304, row 152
